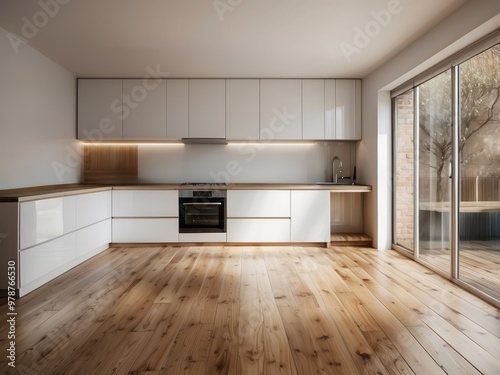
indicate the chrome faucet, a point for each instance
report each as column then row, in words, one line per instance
column 334, row 175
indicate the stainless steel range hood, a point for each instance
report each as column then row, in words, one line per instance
column 204, row 141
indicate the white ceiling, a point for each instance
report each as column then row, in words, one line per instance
column 243, row 38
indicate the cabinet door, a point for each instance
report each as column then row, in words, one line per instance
column 145, row 230
column 347, row 109
column 46, row 258
column 242, row 109
column 313, row 108
column 258, row 230
column 177, row 108
column 207, row 112
column 258, row 203
column 145, row 203
column 144, row 109
column 280, row 109
column 45, row 219
column 99, row 109
column 93, row 238
column 310, row 216
column 92, row 208
column 330, row 117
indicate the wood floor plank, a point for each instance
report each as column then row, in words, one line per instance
column 423, row 305
column 332, row 349
column 223, row 356
column 388, row 354
column 438, row 305
column 255, row 310
column 415, row 355
column 303, row 348
column 450, row 361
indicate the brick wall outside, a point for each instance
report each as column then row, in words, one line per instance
column 404, row 170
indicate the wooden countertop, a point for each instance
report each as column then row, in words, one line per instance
column 50, row 191
column 53, row 191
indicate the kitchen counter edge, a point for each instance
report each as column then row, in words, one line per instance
column 44, row 192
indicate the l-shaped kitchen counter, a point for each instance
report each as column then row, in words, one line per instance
column 47, row 230
column 54, row 191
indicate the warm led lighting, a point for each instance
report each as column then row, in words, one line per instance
column 264, row 143
column 134, row 143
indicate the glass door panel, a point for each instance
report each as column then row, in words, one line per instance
column 435, row 149
column 479, row 218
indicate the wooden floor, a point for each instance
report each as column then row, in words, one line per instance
column 479, row 263
column 253, row 310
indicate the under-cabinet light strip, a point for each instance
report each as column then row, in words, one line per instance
column 237, row 143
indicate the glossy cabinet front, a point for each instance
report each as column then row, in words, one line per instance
column 258, row 203
column 56, row 234
column 45, row 219
column 145, row 203
column 145, row 216
column 92, row 208
column 310, row 218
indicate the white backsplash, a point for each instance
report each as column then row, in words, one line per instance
column 244, row 163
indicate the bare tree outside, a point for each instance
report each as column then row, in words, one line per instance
column 480, row 111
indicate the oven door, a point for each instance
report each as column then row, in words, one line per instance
column 202, row 215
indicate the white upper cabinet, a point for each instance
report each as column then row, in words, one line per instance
column 330, row 108
column 280, row 109
column 236, row 109
column 242, row 109
column 144, row 109
column 177, row 108
column 348, row 109
column 207, row 108
column 313, row 109
column 99, row 109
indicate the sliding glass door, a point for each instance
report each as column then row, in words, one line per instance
column 447, row 141
column 434, row 107
column 479, row 154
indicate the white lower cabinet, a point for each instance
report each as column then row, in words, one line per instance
column 258, row 216
column 55, row 235
column 44, row 219
column 145, row 216
column 92, row 208
column 310, row 217
column 129, row 230
column 93, row 238
column 258, row 230
column 145, row 203
column 41, row 263
column 258, row 203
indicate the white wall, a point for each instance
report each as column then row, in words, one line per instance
column 37, row 119
column 277, row 163
column 474, row 19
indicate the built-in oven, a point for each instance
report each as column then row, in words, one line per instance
column 202, row 211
